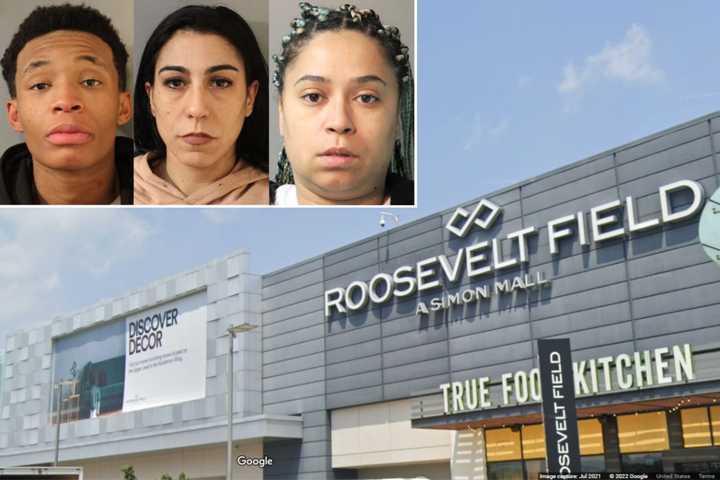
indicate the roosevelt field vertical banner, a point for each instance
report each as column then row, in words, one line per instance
column 562, row 445
column 166, row 348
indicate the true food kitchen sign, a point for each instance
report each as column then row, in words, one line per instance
column 483, row 258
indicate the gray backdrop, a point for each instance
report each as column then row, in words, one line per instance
column 400, row 13
column 13, row 12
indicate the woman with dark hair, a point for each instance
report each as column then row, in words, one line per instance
column 345, row 111
column 201, row 112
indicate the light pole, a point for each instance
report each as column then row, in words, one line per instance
column 58, row 390
column 232, row 331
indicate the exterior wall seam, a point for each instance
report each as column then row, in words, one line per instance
column 380, row 321
column 625, row 262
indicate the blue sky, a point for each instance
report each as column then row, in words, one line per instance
column 507, row 91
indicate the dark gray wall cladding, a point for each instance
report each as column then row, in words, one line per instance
column 569, row 191
column 290, row 272
column 666, row 260
column 583, row 203
column 666, row 159
column 694, row 170
column 678, row 279
column 580, row 171
column 653, row 288
column 299, row 281
column 662, row 142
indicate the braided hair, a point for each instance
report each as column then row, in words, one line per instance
column 315, row 19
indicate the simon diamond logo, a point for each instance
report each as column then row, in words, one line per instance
column 483, row 216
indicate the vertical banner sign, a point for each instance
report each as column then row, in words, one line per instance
column 166, row 354
column 558, row 406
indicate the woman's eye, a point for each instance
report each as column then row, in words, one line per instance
column 312, row 97
column 174, row 83
column 367, row 98
column 91, row 82
column 40, row 86
column 221, row 82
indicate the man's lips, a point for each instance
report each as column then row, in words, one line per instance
column 337, row 157
column 69, row 134
column 197, row 138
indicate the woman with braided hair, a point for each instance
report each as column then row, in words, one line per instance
column 345, row 110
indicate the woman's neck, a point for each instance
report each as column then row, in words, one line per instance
column 189, row 178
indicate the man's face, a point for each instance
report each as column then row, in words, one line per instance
column 68, row 102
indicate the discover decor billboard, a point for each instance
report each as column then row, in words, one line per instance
column 134, row 362
column 163, row 345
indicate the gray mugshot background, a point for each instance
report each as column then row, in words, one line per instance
column 400, row 13
column 13, row 12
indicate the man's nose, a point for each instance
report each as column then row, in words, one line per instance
column 339, row 118
column 67, row 99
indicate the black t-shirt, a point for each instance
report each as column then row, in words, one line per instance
column 17, row 186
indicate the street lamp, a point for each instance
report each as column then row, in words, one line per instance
column 58, row 387
column 232, row 331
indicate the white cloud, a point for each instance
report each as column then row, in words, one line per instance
column 478, row 131
column 628, row 61
column 42, row 247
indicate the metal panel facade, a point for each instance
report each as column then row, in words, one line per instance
column 648, row 289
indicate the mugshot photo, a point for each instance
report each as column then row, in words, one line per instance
column 66, row 90
column 342, row 113
column 201, row 103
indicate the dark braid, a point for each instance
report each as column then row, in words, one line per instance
column 315, row 19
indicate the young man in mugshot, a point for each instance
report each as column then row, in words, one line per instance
column 65, row 71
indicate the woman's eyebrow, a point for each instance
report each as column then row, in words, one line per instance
column 369, row 79
column 213, row 69
column 225, row 66
column 312, row 78
column 359, row 80
column 174, row 68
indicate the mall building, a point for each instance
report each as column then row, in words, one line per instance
column 412, row 353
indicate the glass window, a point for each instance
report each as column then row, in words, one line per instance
column 591, row 437
column 715, row 419
column 695, row 427
column 534, row 468
column 505, row 470
column 642, row 463
column 595, row 463
column 502, row 444
column 533, row 441
column 643, row 432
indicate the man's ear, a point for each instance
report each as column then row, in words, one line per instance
column 125, row 108
column 148, row 92
column 14, row 116
column 252, row 91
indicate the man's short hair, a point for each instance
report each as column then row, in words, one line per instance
column 79, row 18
